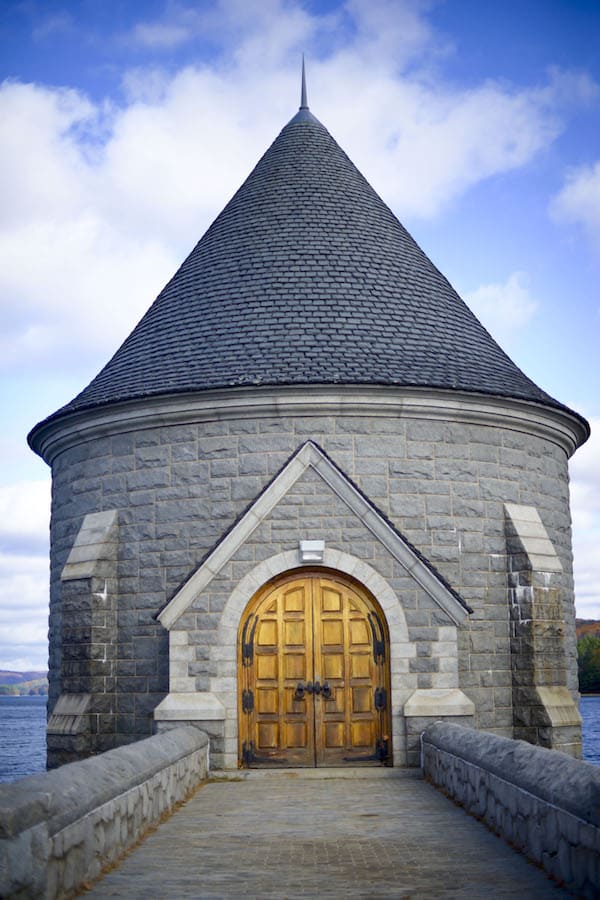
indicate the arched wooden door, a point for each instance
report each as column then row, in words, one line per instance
column 313, row 665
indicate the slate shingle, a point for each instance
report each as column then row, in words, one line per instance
column 306, row 277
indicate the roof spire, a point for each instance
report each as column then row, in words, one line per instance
column 303, row 100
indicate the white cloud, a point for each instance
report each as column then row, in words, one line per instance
column 57, row 23
column 89, row 285
column 585, row 507
column 503, row 308
column 578, row 202
column 24, row 574
column 423, row 144
column 23, row 611
column 43, row 170
column 157, row 35
column 25, row 516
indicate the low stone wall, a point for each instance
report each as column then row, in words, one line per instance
column 545, row 803
column 58, row 830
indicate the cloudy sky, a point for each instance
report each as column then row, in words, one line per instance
column 126, row 126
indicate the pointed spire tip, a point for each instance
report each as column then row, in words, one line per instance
column 303, row 100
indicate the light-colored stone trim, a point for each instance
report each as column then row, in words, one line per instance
column 200, row 706
column 51, row 437
column 332, row 559
column 183, row 700
column 533, row 537
column 70, row 715
column 96, row 541
column 559, row 706
column 310, row 455
column 427, row 702
column 225, row 648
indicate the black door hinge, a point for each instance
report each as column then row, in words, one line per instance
column 381, row 753
column 247, row 701
column 378, row 638
column 248, row 755
column 248, row 640
column 380, row 698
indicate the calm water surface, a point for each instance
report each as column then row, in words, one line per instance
column 23, row 734
column 589, row 707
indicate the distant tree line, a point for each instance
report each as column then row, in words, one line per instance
column 24, row 689
column 588, row 657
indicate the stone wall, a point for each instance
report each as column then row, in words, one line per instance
column 423, row 648
column 60, row 829
column 176, row 489
column 543, row 802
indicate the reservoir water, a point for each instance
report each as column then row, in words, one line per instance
column 23, row 734
column 589, row 707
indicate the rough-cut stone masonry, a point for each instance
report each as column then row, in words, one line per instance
column 176, row 489
column 60, row 829
column 542, row 801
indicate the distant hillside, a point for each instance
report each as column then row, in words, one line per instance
column 23, row 683
column 587, row 626
column 9, row 677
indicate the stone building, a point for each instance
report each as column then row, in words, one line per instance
column 310, row 505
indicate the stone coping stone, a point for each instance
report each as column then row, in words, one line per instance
column 565, row 782
column 62, row 796
column 425, row 702
column 200, row 705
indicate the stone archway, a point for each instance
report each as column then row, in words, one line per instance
column 313, row 674
column 224, row 653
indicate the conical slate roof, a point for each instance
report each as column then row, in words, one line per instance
column 306, row 277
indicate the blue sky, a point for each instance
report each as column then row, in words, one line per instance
column 126, row 127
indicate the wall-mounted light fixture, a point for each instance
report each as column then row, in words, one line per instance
column 311, row 551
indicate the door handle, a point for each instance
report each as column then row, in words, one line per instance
column 309, row 688
column 300, row 691
column 322, row 689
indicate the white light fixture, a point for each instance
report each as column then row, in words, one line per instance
column 312, row 551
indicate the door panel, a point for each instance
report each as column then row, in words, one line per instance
column 312, row 654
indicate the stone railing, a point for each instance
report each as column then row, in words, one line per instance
column 59, row 830
column 543, row 802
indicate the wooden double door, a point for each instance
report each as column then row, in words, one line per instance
column 313, row 669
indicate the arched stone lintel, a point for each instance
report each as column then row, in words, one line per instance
column 224, row 653
column 332, row 559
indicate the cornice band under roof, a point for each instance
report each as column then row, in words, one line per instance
column 559, row 425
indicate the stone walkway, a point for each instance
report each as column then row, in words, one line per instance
column 299, row 833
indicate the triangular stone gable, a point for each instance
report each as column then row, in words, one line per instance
column 311, row 456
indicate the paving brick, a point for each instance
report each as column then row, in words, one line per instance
column 368, row 833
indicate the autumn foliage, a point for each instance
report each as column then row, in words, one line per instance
column 588, row 654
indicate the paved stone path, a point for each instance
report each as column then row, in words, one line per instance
column 379, row 834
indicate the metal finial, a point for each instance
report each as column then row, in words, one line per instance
column 303, row 100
